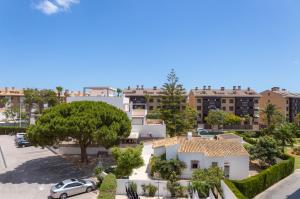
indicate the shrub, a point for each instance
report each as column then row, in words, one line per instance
column 149, row 190
column 254, row 185
column 108, row 187
column 132, row 186
column 11, row 129
column 235, row 190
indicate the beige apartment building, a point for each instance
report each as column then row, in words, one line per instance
column 147, row 98
column 286, row 102
column 14, row 97
column 238, row 101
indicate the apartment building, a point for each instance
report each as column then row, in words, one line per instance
column 288, row 103
column 104, row 91
column 238, row 101
column 14, row 97
column 147, row 98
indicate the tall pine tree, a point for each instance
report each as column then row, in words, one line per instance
column 173, row 99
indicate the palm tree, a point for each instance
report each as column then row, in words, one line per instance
column 269, row 112
column 59, row 90
column 285, row 134
column 119, row 91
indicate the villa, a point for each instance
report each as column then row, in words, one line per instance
column 198, row 152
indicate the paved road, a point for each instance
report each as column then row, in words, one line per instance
column 288, row 188
column 31, row 171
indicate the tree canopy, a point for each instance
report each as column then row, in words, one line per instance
column 84, row 121
column 127, row 159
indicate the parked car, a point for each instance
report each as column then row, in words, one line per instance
column 22, row 142
column 19, row 136
column 202, row 131
column 71, row 187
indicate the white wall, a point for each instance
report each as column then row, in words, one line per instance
column 156, row 130
column 171, row 151
column 239, row 165
column 119, row 102
column 76, row 150
column 227, row 193
column 163, row 191
column 159, row 151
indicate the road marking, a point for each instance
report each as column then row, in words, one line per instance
column 4, row 162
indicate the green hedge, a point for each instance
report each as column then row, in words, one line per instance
column 254, row 185
column 11, row 129
column 235, row 190
column 108, row 187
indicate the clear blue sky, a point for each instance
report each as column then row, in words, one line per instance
column 72, row 43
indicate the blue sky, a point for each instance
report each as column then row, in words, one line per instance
column 76, row 43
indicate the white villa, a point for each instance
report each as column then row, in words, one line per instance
column 198, row 152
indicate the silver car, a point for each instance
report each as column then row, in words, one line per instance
column 71, row 187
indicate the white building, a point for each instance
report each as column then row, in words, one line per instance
column 197, row 152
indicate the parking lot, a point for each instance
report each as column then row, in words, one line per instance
column 31, row 171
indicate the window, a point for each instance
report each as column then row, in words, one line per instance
column 151, row 108
column 287, row 101
column 199, row 100
column 194, row 164
column 230, row 108
column 199, row 108
column 183, row 107
column 158, row 100
column 223, row 101
column 224, row 108
column 214, row 164
column 256, row 101
column 150, row 100
column 159, row 107
column 199, row 115
column 231, row 101
column 75, row 184
column 287, row 108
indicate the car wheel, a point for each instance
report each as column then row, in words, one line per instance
column 89, row 189
column 63, row 196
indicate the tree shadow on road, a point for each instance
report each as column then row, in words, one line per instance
column 295, row 195
column 42, row 171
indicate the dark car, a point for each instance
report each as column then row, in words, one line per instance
column 22, row 142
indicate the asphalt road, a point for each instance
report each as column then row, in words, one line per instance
column 288, row 188
column 31, row 171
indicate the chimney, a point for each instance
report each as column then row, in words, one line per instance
column 12, row 88
column 128, row 88
column 239, row 87
column 189, row 136
column 209, row 87
column 154, row 87
column 248, row 89
column 275, row 89
column 137, row 87
column 283, row 89
column 142, row 87
column 222, row 88
column 6, row 89
column 204, row 87
column 196, row 88
column 234, row 88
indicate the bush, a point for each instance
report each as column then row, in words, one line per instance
column 108, row 187
column 11, row 129
column 254, row 185
column 235, row 190
column 149, row 190
column 132, row 186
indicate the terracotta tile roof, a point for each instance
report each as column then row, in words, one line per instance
column 143, row 92
column 217, row 148
column 286, row 93
column 225, row 93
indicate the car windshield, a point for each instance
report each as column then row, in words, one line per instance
column 59, row 185
column 82, row 181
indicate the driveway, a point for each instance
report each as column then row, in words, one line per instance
column 288, row 188
column 31, row 171
column 141, row 173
